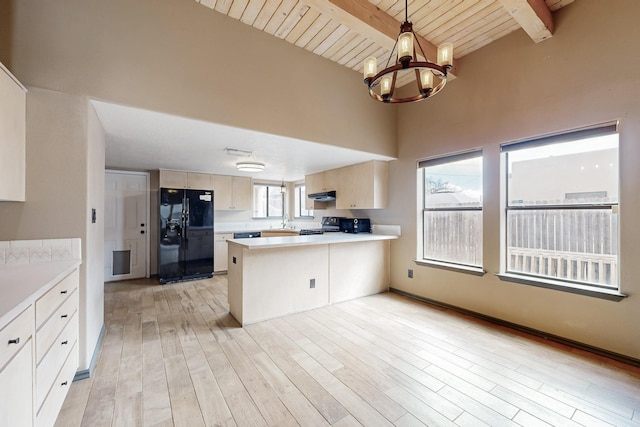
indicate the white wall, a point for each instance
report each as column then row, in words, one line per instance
column 93, row 302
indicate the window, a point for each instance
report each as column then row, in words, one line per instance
column 452, row 209
column 562, row 207
column 301, row 197
column 267, row 201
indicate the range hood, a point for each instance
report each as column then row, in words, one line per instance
column 325, row 196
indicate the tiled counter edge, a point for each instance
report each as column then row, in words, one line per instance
column 28, row 268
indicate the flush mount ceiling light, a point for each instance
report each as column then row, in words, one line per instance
column 407, row 62
column 250, row 166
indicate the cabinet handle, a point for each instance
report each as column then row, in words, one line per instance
column 15, row 341
column 65, row 342
column 63, row 292
column 64, row 316
column 64, row 384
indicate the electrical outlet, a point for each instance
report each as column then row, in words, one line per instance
column 312, row 283
column 234, row 260
column 410, row 274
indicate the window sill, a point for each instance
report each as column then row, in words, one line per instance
column 608, row 294
column 477, row 271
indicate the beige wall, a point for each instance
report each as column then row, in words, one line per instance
column 513, row 89
column 59, row 172
column 182, row 58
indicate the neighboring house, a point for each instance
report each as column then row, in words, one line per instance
column 170, row 57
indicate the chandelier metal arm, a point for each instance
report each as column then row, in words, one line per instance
column 419, row 97
column 422, row 94
column 441, row 70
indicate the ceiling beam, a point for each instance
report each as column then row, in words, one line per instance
column 533, row 16
column 370, row 21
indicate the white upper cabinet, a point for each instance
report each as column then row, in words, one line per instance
column 173, row 179
column 13, row 102
column 181, row 179
column 232, row 192
column 362, row 186
column 318, row 183
column 198, row 181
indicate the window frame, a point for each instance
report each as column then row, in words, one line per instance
column 421, row 258
column 268, row 187
column 557, row 283
column 299, row 205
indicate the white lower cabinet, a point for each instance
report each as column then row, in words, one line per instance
column 16, row 371
column 50, row 409
column 57, row 358
column 221, row 252
column 41, row 368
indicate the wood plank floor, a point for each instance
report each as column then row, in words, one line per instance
column 173, row 356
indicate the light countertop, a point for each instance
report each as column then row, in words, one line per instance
column 315, row 239
column 22, row 284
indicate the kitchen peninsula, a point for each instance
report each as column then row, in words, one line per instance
column 273, row 276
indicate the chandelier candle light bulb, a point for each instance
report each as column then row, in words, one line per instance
column 405, row 47
column 426, row 79
column 370, row 67
column 445, row 54
column 385, row 86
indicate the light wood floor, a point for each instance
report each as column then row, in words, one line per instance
column 172, row 355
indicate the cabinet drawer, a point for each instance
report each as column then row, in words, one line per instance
column 50, row 301
column 48, row 369
column 52, row 328
column 14, row 336
column 47, row 415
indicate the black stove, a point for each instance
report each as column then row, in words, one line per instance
column 330, row 224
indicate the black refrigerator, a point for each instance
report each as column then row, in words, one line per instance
column 186, row 235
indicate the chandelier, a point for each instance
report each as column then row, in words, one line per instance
column 407, row 62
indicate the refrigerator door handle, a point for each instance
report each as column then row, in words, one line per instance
column 185, row 219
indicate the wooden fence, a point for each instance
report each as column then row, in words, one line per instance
column 571, row 244
column 453, row 236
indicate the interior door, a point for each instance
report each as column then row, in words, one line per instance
column 126, row 240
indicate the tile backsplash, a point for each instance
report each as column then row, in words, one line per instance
column 37, row 251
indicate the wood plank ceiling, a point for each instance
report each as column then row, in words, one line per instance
column 348, row 31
